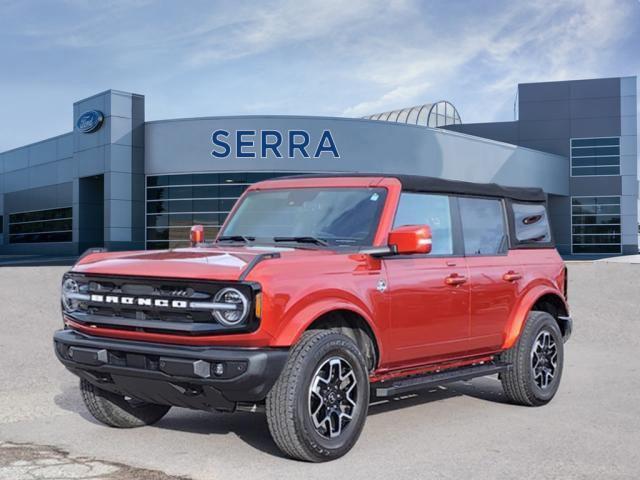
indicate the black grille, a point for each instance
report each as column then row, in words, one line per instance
column 152, row 317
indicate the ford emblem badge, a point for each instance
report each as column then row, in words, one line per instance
column 90, row 121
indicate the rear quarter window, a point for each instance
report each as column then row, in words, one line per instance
column 531, row 223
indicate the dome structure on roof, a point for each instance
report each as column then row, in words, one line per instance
column 429, row 115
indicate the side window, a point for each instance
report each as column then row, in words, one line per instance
column 483, row 226
column 531, row 222
column 432, row 210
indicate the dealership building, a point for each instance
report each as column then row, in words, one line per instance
column 120, row 182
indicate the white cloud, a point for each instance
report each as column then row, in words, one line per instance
column 322, row 57
column 537, row 41
column 274, row 24
column 401, row 95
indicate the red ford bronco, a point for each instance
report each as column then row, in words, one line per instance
column 318, row 292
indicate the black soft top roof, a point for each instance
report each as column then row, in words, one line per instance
column 416, row 183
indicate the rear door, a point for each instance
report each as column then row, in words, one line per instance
column 494, row 271
column 429, row 316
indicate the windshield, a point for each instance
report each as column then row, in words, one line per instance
column 322, row 216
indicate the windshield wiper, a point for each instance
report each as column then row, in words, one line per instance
column 236, row 238
column 302, row 239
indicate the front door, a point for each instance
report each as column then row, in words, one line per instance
column 429, row 293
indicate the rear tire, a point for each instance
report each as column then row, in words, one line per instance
column 536, row 362
column 318, row 407
column 116, row 411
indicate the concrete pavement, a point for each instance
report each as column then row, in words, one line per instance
column 590, row 430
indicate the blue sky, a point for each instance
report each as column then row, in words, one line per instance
column 314, row 57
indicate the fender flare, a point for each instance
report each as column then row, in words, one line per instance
column 298, row 320
column 520, row 313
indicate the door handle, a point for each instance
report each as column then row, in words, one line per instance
column 511, row 276
column 454, row 279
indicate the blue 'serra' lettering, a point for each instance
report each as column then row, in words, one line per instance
column 272, row 144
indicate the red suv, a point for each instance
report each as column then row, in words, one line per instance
column 318, row 293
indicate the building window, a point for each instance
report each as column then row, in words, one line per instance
column 41, row 226
column 595, row 156
column 176, row 202
column 595, row 225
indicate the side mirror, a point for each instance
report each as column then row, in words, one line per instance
column 197, row 235
column 410, row 239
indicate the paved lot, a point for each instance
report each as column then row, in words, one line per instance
column 590, row 430
column 20, row 461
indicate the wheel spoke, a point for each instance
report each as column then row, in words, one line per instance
column 348, row 379
column 535, row 360
column 325, row 371
column 320, row 402
column 335, row 368
column 351, row 393
column 336, row 424
column 323, row 424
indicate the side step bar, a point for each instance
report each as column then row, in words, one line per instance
column 397, row 387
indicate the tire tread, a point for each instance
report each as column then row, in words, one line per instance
column 515, row 381
column 281, row 400
column 112, row 410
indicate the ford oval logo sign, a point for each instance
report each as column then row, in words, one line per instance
column 90, row 121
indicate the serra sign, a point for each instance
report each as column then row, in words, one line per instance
column 273, row 143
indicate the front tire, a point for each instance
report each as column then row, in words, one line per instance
column 318, row 407
column 536, row 362
column 117, row 411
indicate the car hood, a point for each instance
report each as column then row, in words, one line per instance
column 210, row 263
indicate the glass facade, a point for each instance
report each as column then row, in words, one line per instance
column 41, row 226
column 177, row 202
column 443, row 113
column 595, row 156
column 595, row 225
column 431, row 115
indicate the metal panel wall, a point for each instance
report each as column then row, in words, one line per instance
column 551, row 113
column 363, row 146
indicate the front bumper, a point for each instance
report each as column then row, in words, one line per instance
column 202, row 378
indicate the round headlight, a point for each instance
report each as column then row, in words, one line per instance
column 70, row 286
column 238, row 307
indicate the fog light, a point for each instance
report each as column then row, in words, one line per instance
column 218, row 369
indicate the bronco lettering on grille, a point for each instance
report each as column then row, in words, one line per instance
column 139, row 301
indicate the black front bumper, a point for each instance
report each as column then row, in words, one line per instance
column 203, row 378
